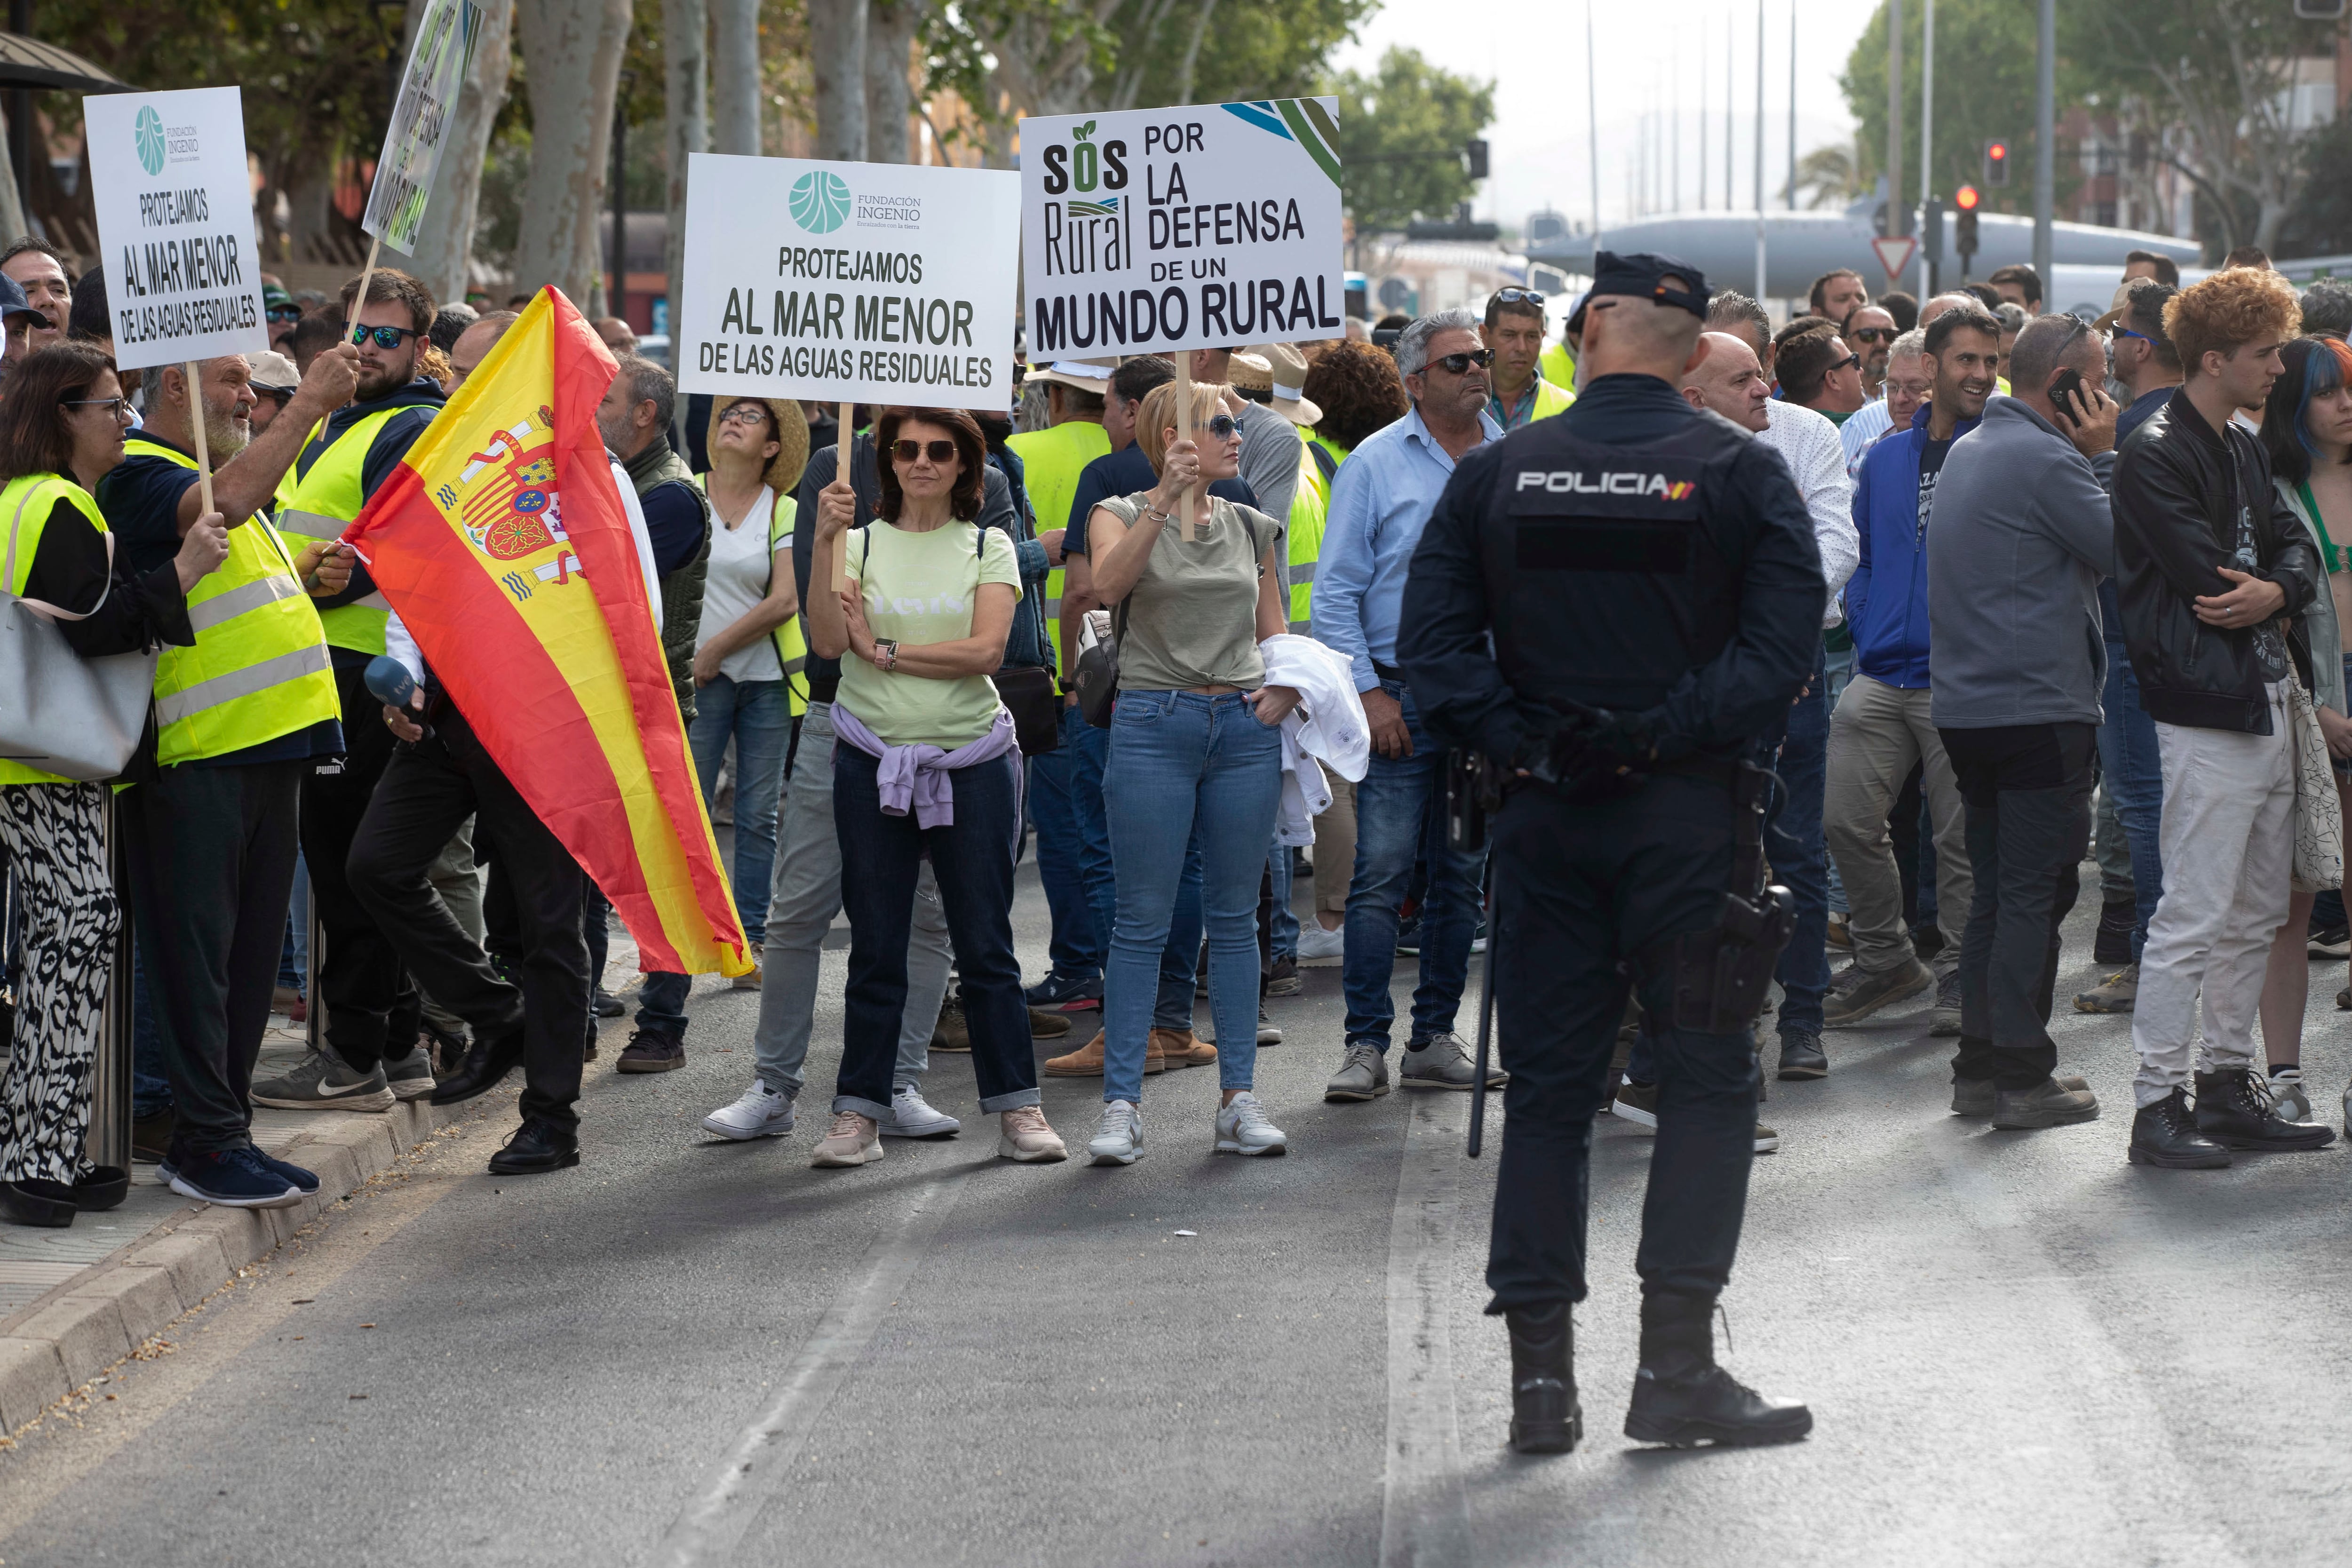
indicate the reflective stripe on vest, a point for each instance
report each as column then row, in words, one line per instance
column 24, row 507
column 1310, row 505
column 322, row 504
column 1051, row 462
column 259, row 669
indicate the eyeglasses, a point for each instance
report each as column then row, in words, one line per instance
column 744, row 413
column 385, row 337
column 1518, row 297
column 284, row 313
column 937, row 451
column 1873, row 334
column 114, row 406
column 280, row 396
column 1459, row 364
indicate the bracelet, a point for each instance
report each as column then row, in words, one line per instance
column 1155, row 514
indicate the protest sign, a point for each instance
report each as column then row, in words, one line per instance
column 1152, row 230
column 420, row 117
column 174, row 204
column 849, row 282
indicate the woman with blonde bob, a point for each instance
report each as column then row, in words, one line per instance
column 1195, row 752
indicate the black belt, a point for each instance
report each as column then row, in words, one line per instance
column 1390, row 672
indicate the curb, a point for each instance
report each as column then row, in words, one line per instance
column 109, row 1311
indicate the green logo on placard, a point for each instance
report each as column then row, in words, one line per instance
column 147, row 131
column 819, row 201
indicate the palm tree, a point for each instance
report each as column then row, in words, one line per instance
column 1831, row 177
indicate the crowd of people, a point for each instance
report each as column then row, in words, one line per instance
column 2081, row 591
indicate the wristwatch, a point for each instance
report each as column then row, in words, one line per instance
column 885, row 652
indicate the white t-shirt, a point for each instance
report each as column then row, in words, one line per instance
column 741, row 569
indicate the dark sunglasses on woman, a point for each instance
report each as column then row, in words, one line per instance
column 940, row 452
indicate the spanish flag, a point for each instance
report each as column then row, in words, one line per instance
column 502, row 542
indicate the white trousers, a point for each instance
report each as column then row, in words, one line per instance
column 2227, row 840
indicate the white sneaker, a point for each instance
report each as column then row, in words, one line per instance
column 761, row 1113
column 1120, row 1139
column 2288, row 1099
column 1243, row 1129
column 1316, row 946
column 852, row 1140
column 911, row 1115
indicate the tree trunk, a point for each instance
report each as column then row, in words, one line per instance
column 735, row 77
column 572, row 56
column 446, row 242
column 837, row 63
column 309, row 191
column 889, row 61
column 685, row 27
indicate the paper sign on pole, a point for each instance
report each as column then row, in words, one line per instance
column 174, row 203
column 420, row 121
column 849, row 282
column 1151, row 230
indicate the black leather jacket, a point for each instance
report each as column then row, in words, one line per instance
column 2178, row 489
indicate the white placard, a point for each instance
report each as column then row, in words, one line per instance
column 420, row 119
column 174, row 203
column 849, row 282
column 1151, row 230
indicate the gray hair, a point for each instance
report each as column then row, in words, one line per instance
column 649, row 382
column 2038, row 351
column 2012, row 315
column 1412, row 344
column 1912, row 344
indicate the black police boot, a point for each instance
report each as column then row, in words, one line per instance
column 1680, row 1398
column 2234, row 1110
column 536, row 1146
column 490, row 1058
column 2165, row 1134
column 1545, row 1417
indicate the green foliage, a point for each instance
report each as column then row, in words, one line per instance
column 1391, row 120
column 1246, row 51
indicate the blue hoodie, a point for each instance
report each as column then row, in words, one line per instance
column 1890, row 625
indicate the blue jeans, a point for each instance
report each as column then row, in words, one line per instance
column 1179, row 760
column 758, row 717
column 1065, row 803
column 2132, row 775
column 1180, row 960
column 1285, row 924
column 1800, row 860
column 973, row 860
column 1392, row 809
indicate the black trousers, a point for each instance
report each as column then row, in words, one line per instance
column 372, row 1009
column 1578, row 891
column 427, row 791
column 212, row 870
column 2027, row 791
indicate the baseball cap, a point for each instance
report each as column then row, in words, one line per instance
column 14, row 303
column 273, row 372
column 273, row 295
column 1648, row 274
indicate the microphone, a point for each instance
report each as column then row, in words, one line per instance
column 389, row 683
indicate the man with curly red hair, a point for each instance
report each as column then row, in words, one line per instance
column 2211, row 567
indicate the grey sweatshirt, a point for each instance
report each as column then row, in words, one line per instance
column 2019, row 533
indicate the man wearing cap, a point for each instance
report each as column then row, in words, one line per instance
column 1512, row 332
column 18, row 318
column 1610, row 605
column 278, row 306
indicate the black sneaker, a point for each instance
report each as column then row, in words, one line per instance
column 1947, row 1021
column 1060, row 993
column 652, row 1050
column 2234, row 1109
column 2335, row 941
column 2165, row 1135
column 1282, row 979
column 234, row 1178
column 2112, row 944
column 1409, row 934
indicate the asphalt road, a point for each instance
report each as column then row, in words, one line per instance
column 2018, row 1349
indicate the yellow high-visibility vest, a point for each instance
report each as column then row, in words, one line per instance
column 261, row 667
column 24, row 507
column 1310, row 505
column 792, row 637
column 322, row 504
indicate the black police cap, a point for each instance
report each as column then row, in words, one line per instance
column 1647, row 274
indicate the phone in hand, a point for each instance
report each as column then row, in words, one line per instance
column 2064, row 391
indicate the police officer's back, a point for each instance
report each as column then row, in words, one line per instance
column 1611, row 604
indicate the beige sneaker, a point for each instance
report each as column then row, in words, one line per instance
column 2115, row 993
column 1027, row 1138
column 1181, row 1048
column 750, row 982
column 853, row 1140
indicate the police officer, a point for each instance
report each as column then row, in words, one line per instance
column 1607, row 605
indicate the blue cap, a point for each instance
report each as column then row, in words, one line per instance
column 1647, row 274
column 13, row 301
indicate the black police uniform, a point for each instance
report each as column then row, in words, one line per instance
column 1641, row 557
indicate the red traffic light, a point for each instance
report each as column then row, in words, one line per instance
column 1965, row 198
column 1995, row 160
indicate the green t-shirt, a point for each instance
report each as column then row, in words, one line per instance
column 919, row 588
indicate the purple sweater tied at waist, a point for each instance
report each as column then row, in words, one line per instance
column 918, row 775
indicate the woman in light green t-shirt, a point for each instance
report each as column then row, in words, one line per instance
column 917, row 606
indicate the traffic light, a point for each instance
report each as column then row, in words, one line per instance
column 1997, row 163
column 1476, row 153
column 1931, row 244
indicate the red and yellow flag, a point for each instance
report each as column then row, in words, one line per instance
column 502, row 544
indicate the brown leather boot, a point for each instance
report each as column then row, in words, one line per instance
column 1180, row 1048
column 1087, row 1061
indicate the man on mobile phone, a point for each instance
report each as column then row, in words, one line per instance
column 2021, row 534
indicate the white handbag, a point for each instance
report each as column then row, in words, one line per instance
column 61, row 713
column 2318, row 809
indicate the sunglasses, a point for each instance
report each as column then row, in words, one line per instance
column 284, row 313
column 1849, row 362
column 385, row 337
column 114, row 406
column 937, row 451
column 1873, row 334
column 2128, row 332
column 1459, row 364
column 280, row 396
column 1518, row 296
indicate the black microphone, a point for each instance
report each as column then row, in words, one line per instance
column 391, row 684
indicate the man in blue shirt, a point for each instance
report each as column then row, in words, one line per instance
column 1381, row 499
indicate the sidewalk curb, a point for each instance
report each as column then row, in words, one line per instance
column 86, row 1324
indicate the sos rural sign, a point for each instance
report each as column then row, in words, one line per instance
column 1148, row 231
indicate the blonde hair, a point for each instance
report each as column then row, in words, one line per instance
column 1157, row 415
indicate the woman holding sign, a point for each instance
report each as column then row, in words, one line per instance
column 1195, row 739
column 924, row 764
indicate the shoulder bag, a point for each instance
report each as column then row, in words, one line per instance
column 77, row 718
column 2318, row 809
